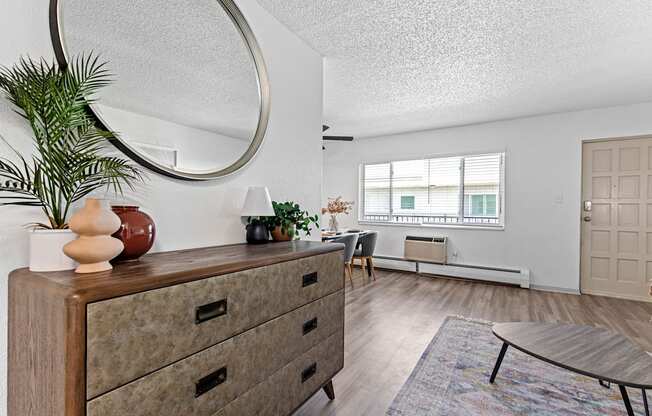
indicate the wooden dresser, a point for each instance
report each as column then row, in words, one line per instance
column 220, row 331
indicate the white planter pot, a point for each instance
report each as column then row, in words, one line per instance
column 46, row 250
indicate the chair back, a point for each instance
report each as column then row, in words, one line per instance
column 368, row 242
column 349, row 241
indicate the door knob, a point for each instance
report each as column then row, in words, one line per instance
column 587, row 219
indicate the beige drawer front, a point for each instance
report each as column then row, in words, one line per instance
column 131, row 336
column 286, row 389
column 247, row 359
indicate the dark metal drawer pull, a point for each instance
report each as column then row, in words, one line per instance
column 309, row 279
column 309, row 326
column 310, row 371
column 211, row 381
column 210, row 311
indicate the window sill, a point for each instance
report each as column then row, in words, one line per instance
column 453, row 226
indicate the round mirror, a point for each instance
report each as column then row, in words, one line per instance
column 190, row 97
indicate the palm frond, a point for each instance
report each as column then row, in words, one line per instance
column 68, row 162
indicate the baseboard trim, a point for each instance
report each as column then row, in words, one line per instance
column 469, row 280
column 647, row 299
column 556, row 289
column 460, row 274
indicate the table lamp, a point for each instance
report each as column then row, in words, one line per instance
column 257, row 204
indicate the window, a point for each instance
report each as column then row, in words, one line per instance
column 462, row 190
column 407, row 202
column 480, row 205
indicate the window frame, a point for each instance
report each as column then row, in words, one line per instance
column 500, row 200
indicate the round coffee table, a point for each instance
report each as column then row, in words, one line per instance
column 598, row 353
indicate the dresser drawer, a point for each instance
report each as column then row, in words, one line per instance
column 131, row 336
column 205, row 382
column 288, row 388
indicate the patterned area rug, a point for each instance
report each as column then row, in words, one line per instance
column 452, row 378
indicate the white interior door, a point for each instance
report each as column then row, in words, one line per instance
column 616, row 257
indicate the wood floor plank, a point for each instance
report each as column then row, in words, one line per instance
column 390, row 322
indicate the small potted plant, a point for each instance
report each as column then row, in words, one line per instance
column 288, row 220
column 68, row 162
column 334, row 207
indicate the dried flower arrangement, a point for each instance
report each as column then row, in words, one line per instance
column 336, row 206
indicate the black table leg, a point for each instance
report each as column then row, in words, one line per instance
column 647, row 409
column 499, row 361
column 628, row 405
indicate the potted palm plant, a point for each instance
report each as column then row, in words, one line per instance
column 69, row 159
column 288, row 220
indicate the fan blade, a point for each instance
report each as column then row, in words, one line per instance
column 339, row 138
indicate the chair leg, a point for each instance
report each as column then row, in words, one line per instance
column 362, row 262
column 350, row 274
column 372, row 269
column 347, row 268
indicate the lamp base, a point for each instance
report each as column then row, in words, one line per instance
column 257, row 234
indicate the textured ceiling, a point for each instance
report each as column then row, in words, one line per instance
column 401, row 65
column 172, row 60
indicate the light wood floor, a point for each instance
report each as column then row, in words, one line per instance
column 390, row 322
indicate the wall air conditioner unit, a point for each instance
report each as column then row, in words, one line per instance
column 426, row 249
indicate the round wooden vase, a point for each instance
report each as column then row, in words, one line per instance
column 94, row 224
column 137, row 232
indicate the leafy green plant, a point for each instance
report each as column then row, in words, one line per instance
column 67, row 163
column 290, row 217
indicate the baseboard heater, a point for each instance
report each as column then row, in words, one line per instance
column 520, row 277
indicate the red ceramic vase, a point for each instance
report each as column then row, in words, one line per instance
column 137, row 232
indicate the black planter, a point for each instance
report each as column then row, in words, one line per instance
column 257, row 234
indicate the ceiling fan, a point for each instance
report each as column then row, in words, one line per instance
column 334, row 138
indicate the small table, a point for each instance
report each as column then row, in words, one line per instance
column 604, row 355
column 329, row 237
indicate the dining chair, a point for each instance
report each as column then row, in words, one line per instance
column 366, row 252
column 350, row 241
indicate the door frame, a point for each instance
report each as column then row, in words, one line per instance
column 644, row 298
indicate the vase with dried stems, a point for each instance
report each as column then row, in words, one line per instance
column 70, row 159
column 334, row 207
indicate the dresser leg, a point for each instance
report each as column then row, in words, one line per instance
column 328, row 389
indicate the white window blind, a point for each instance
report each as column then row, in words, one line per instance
column 377, row 191
column 449, row 190
column 482, row 187
column 444, row 189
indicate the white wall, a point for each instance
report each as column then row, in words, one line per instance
column 543, row 172
column 187, row 214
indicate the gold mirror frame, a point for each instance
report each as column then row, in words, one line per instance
column 248, row 37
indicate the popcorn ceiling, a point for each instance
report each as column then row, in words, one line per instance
column 400, row 65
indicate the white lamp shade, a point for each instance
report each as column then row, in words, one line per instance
column 258, row 203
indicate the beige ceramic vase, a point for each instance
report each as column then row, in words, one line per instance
column 94, row 224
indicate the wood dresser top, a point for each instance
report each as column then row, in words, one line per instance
column 158, row 270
